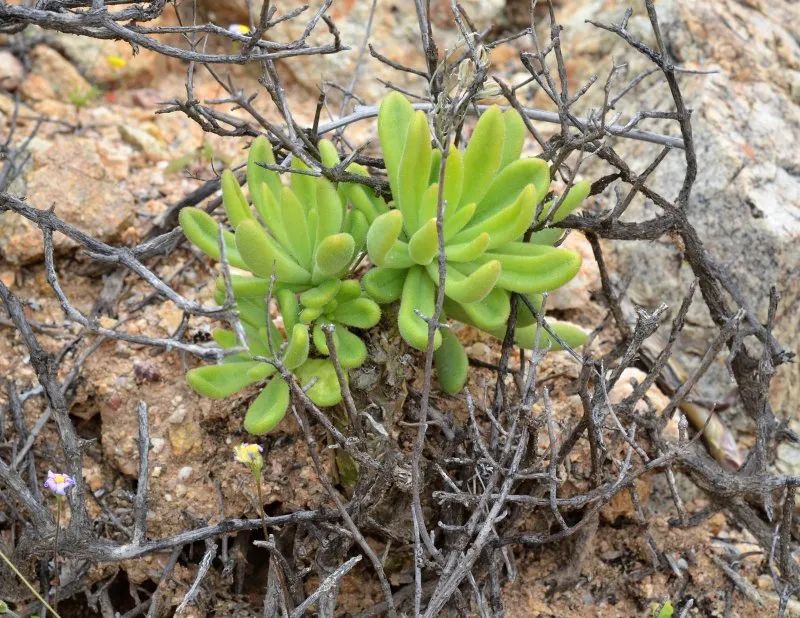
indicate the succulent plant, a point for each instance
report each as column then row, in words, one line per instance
column 491, row 197
column 301, row 241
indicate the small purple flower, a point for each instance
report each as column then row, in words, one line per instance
column 58, row 483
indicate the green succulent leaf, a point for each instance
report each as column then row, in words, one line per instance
column 360, row 313
column 296, row 352
column 472, row 288
column 451, row 363
column 350, row 289
column 220, row 381
column 419, row 294
column 527, row 337
column 257, row 176
column 394, row 118
column 325, row 392
column 263, row 256
column 358, row 197
column 577, row 193
column 268, row 409
column 383, row 234
column 288, row 307
column 356, row 225
column 233, row 199
column 245, row 286
column 510, row 182
column 398, row 256
column 203, row 231
column 384, row 285
column 468, row 251
column 483, row 155
column 304, row 186
column 321, row 295
column 296, row 226
column 424, row 244
column 453, row 181
column 328, row 153
column 309, row 314
column 411, row 183
column 533, row 268
column 350, row 350
column 455, row 223
column 334, row 254
column 547, row 236
column 488, row 314
column 224, row 338
column 515, row 132
column 330, row 210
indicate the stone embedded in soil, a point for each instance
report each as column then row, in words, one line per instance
column 69, row 176
column 11, row 71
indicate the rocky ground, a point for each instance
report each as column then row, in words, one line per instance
column 109, row 164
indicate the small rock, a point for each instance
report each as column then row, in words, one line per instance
column 142, row 140
column 157, row 470
column 158, row 445
column 11, row 71
column 184, row 439
column 184, row 473
column 765, row 582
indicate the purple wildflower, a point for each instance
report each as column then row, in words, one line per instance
column 58, row 483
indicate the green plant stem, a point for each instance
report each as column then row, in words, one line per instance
column 35, row 592
column 55, row 545
column 261, row 513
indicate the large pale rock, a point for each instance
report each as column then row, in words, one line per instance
column 112, row 64
column 52, row 77
column 70, row 176
column 746, row 118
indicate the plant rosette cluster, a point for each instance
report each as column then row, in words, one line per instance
column 491, row 198
column 299, row 241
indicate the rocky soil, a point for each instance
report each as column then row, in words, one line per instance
column 107, row 163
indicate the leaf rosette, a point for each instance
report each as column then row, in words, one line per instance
column 491, row 198
column 301, row 241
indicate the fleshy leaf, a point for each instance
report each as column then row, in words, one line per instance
column 515, row 131
column 472, row 288
column 297, row 349
column 572, row 335
column 268, row 409
column 423, row 246
column 483, row 155
column 411, row 183
column 510, row 182
column 220, row 381
column 382, row 235
column 321, row 295
column 394, row 118
column 296, row 226
column 577, row 193
column 233, row 199
column 451, row 363
column 334, row 254
column 263, row 256
column 326, row 391
column 261, row 152
column 360, row 312
column 419, row 293
column 202, row 230
column 384, row 285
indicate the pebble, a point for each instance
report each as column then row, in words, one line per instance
column 184, row 473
